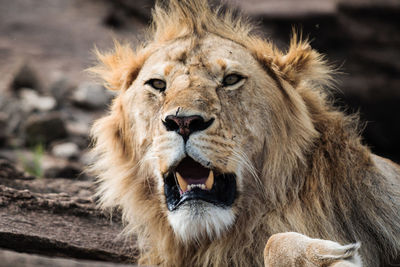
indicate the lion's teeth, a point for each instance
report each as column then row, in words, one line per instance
column 185, row 187
column 182, row 183
column 210, row 180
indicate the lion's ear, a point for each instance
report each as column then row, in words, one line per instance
column 120, row 67
column 302, row 64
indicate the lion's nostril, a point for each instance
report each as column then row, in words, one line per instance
column 170, row 124
column 186, row 125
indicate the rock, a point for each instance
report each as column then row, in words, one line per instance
column 78, row 128
column 25, row 77
column 61, row 90
column 70, row 171
column 75, row 188
column 15, row 259
column 44, row 128
column 63, row 169
column 54, row 167
column 9, row 171
column 12, row 115
column 91, row 96
column 54, row 202
column 66, row 150
column 57, row 224
column 3, row 127
column 32, row 101
column 58, row 218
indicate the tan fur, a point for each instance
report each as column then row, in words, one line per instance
column 301, row 164
column 296, row 250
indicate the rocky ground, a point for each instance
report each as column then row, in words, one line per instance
column 47, row 104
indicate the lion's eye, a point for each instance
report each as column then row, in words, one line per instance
column 231, row 79
column 157, row 84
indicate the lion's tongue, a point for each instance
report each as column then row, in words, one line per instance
column 189, row 173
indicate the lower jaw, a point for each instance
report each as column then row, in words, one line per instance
column 222, row 194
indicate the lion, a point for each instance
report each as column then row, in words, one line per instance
column 217, row 141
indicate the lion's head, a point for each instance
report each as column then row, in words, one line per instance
column 206, row 131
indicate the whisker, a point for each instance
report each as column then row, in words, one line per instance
column 240, row 157
column 140, row 163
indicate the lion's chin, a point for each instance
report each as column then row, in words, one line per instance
column 196, row 220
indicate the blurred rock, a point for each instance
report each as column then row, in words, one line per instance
column 9, row 171
column 3, row 127
column 25, row 77
column 60, row 168
column 69, row 171
column 10, row 106
column 91, row 96
column 81, row 141
column 73, row 187
column 32, row 101
column 61, row 90
column 78, row 128
column 66, row 150
column 44, row 128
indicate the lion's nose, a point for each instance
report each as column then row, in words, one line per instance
column 187, row 125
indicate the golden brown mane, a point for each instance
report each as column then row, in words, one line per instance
column 316, row 176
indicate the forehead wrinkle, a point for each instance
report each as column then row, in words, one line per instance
column 194, row 60
column 191, row 49
column 168, row 69
column 178, row 55
column 221, row 63
column 177, row 51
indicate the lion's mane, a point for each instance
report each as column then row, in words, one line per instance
column 318, row 179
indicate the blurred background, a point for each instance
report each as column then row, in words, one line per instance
column 48, row 102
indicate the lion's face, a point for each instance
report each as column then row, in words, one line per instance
column 200, row 111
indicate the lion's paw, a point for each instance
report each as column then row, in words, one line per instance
column 297, row 250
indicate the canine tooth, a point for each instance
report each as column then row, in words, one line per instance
column 182, row 183
column 210, row 180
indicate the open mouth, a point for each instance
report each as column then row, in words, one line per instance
column 191, row 181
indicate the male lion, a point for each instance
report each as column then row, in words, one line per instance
column 217, row 140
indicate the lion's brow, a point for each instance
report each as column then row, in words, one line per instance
column 168, row 69
column 221, row 63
